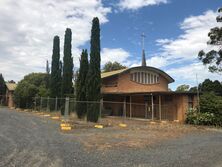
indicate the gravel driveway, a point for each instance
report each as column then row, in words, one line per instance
column 27, row 140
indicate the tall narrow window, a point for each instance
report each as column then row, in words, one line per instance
column 142, row 77
column 138, row 77
column 148, row 78
column 151, row 76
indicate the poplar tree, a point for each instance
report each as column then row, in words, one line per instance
column 55, row 78
column 81, row 107
column 67, row 85
column 94, row 74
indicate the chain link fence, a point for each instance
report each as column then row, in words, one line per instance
column 66, row 106
column 106, row 108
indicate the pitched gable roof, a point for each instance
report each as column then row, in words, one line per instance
column 11, row 86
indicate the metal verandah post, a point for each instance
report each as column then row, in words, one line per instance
column 152, row 106
column 160, row 110
column 130, row 107
column 124, row 108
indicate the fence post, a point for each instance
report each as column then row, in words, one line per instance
column 101, row 108
column 35, row 103
column 41, row 104
column 48, row 104
column 56, row 103
column 66, row 108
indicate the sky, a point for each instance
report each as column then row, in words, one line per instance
column 176, row 30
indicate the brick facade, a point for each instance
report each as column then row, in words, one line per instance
column 152, row 101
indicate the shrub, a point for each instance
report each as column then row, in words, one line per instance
column 206, row 118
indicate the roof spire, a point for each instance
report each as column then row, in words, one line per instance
column 143, row 51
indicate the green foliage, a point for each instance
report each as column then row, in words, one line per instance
column 210, row 111
column 81, row 108
column 197, row 118
column 2, row 85
column 209, row 102
column 67, row 85
column 94, row 73
column 55, row 79
column 211, row 86
column 31, row 86
column 182, row 88
column 109, row 66
column 193, row 89
column 213, row 58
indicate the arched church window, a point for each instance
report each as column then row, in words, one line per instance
column 144, row 77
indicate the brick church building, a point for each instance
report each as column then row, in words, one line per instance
column 142, row 92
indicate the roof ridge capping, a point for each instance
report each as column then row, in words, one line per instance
column 111, row 73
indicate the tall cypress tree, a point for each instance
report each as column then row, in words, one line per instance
column 67, row 85
column 2, row 89
column 55, row 78
column 2, row 86
column 81, row 107
column 94, row 73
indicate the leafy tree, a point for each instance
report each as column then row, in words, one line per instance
column 81, row 85
column 67, row 85
column 109, row 66
column 32, row 85
column 182, row 88
column 94, row 73
column 211, row 86
column 211, row 103
column 2, row 85
column 213, row 58
column 193, row 89
column 55, row 78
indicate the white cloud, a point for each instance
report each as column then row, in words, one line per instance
column 187, row 45
column 27, row 28
column 185, row 48
column 187, row 74
column 136, row 4
column 115, row 54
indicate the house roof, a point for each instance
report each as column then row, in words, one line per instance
column 11, row 86
column 116, row 72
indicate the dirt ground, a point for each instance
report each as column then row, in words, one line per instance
column 138, row 133
column 35, row 139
